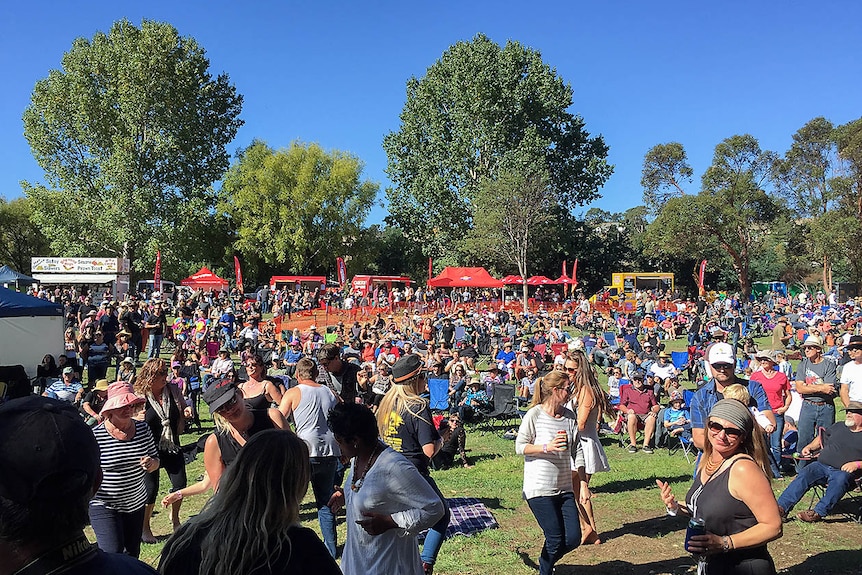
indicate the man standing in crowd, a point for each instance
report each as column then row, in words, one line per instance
column 839, row 462
column 310, row 404
column 341, row 374
column 851, row 373
column 721, row 360
column 817, row 383
column 156, row 324
column 50, row 470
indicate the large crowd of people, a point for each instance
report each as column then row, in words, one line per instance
column 356, row 394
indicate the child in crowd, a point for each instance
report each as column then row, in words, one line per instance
column 740, row 393
column 614, row 385
column 784, row 365
column 677, row 420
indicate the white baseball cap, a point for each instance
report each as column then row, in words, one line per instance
column 721, row 353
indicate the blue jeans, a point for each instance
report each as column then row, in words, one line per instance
column 775, row 447
column 558, row 517
column 812, row 417
column 155, row 345
column 323, row 485
column 837, row 483
column 437, row 533
column 117, row 532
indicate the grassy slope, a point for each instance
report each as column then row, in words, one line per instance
column 638, row 537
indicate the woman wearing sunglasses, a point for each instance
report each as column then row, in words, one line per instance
column 547, row 439
column 732, row 495
column 235, row 424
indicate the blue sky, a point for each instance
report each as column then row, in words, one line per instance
column 334, row 72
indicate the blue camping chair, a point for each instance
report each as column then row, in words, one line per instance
column 439, row 390
column 610, row 338
column 682, row 442
column 679, row 359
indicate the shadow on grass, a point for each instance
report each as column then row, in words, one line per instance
column 840, row 562
column 652, row 527
column 680, row 565
column 635, row 484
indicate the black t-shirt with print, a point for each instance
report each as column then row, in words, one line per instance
column 407, row 433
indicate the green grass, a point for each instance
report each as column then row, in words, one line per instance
column 638, row 536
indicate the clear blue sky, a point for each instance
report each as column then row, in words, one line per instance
column 334, row 72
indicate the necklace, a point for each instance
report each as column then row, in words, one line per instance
column 711, row 467
column 356, row 484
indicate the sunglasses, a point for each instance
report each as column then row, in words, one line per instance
column 728, row 431
column 571, row 370
column 229, row 404
column 722, row 366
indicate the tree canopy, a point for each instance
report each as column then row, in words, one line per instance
column 477, row 108
column 296, row 209
column 131, row 127
column 731, row 215
column 20, row 238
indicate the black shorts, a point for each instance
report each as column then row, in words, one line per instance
column 175, row 465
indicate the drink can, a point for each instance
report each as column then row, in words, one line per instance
column 562, row 433
column 696, row 526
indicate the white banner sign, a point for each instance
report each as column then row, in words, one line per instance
column 80, row 265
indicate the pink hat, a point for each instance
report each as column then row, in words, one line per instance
column 120, row 394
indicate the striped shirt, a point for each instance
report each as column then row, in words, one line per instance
column 122, row 487
column 547, row 474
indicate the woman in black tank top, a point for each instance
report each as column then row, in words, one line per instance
column 235, row 424
column 732, row 495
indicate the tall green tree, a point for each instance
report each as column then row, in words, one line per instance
column 130, row 128
column 806, row 177
column 20, row 238
column 511, row 211
column 730, row 216
column 477, row 107
column 665, row 173
column 296, row 209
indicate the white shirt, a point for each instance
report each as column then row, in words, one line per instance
column 851, row 376
column 392, row 486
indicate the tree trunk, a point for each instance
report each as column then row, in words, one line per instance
column 827, row 283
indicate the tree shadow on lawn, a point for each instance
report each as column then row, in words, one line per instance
column 635, row 484
column 678, row 565
column 840, row 562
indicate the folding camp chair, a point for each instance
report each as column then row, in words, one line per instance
column 505, row 408
column 611, row 339
column 853, row 512
column 679, row 360
column 558, row 348
column 683, row 442
column 439, row 390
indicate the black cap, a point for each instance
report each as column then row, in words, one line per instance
column 219, row 393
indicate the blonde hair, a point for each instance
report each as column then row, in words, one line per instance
column 245, row 527
column 545, row 386
column 400, row 399
column 738, row 392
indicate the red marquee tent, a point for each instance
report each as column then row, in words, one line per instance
column 205, row 279
column 566, row 280
column 512, row 280
column 540, row 281
column 465, row 277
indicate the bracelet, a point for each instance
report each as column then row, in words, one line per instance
column 180, row 493
column 545, row 448
column 725, row 544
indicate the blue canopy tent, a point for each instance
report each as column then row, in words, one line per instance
column 10, row 276
column 29, row 328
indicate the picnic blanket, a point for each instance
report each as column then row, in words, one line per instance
column 468, row 516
